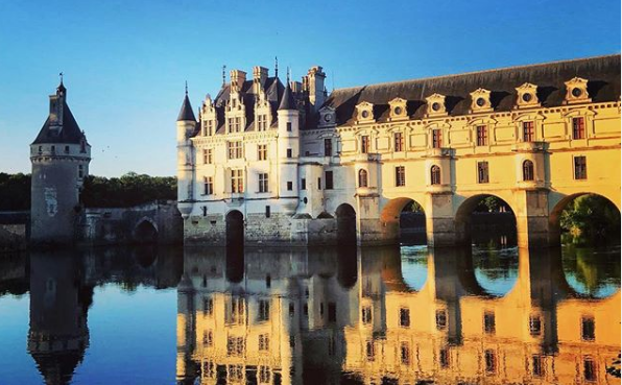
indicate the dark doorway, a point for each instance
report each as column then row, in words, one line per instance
column 145, row 232
column 235, row 228
column 346, row 225
column 486, row 220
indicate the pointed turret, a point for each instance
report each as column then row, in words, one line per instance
column 186, row 113
column 287, row 101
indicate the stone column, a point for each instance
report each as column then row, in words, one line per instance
column 532, row 218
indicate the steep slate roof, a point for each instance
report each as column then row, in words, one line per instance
column 602, row 73
column 70, row 132
column 186, row 112
column 287, row 101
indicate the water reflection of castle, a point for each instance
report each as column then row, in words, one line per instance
column 299, row 316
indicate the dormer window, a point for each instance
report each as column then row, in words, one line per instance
column 436, row 105
column 480, row 101
column 365, row 111
column 527, row 96
column 576, row 91
column 398, row 109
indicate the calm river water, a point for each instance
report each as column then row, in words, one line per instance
column 314, row 316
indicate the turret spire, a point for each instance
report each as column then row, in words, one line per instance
column 287, row 101
column 186, row 113
column 276, row 67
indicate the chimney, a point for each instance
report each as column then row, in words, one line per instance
column 296, row 87
column 260, row 74
column 238, row 78
column 315, row 79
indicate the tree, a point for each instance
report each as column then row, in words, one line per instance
column 591, row 220
column 14, row 192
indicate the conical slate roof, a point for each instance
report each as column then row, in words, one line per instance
column 287, row 101
column 69, row 132
column 186, row 112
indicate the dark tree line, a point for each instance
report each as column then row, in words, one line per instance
column 130, row 189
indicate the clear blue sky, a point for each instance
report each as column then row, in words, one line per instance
column 125, row 62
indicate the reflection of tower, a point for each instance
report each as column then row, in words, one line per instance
column 59, row 303
column 186, row 372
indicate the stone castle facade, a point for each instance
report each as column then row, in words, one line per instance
column 288, row 163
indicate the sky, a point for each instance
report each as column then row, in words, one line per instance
column 125, row 61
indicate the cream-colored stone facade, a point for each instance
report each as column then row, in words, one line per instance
column 535, row 136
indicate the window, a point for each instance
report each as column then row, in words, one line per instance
column 369, row 350
column 405, row 317
column 435, row 175
column 535, row 325
column 289, row 126
column 208, row 127
column 580, row 167
column 263, row 182
column 262, row 122
column 235, row 346
column 208, row 185
column 262, row 152
column 292, row 310
column 53, row 148
column 290, row 185
column 208, row 338
column 66, row 149
column 208, row 306
column 441, row 319
column 489, row 323
column 40, row 149
column 319, row 183
column 537, row 367
column 303, row 184
column 267, row 211
column 482, row 136
column 236, row 311
column 400, row 176
column 236, row 373
column 235, row 149
column 588, row 329
column 204, row 209
column 80, row 171
column 578, row 128
column 405, row 353
column 443, row 358
column 589, row 369
column 528, row 170
column 332, row 312
column 264, row 311
column 366, row 315
column 491, row 361
column 482, row 172
column 234, row 124
column 362, row 178
column 264, row 375
column 289, row 153
column 398, row 140
column 82, row 146
column 528, row 131
column 437, row 139
column 328, row 147
column 237, row 181
column 328, row 175
column 207, row 156
column 364, row 144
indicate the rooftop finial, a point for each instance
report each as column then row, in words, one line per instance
column 186, row 88
column 61, row 77
column 288, row 74
column 224, row 76
column 276, row 67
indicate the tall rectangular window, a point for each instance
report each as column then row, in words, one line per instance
column 589, row 370
column 208, row 127
column 303, row 184
column 580, row 167
column 289, row 126
column 398, row 139
column 264, row 342
column 262, row 122
column 263, row 182
column 80, row 171
column 262, row 152
column 328, row 147
column 578, row 128
column 290, row 185
column 264, row 311
column 267, row 211
column 400, row 176
column 366, row 314
column 289, row 153
column 528, row 131
column 491, row 361
column 441, row 319
column 405, row 317
column 443, row 358
column 328, row 175
column 537, row 367
column 235, row 149
column 319, row 183
column 405, row 353
column 364, row 144
column 234, row 124
column 482, row 136
column 489, row 323
column 208, row 185
column 237, row 181
column 207, row 156
column 588, row 329
column 535, row 325
column 437, row 138
column 482, row 172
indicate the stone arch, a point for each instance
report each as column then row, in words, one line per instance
column 234, row 228
column 563, row 202
column 346, row 224
column 391, row 214
column 463, row 217
column 145, row 231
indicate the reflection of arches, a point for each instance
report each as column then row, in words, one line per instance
column 391, row 218
column 235, row 228
column 464, row 224
column 234, row 267
column 346, row 224
column 563, row 203
column 146, row 231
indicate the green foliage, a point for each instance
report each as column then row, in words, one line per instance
column 14, row 192
column 591, row 220
column 129, row 190
column 413, row 207
column 492, row 204
column 592, row 269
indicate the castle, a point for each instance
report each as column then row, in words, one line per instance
column 278, row 163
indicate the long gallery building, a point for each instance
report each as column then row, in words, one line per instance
column 287, row 163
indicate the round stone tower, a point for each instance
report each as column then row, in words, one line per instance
column 288, row 150
column 60, row 157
